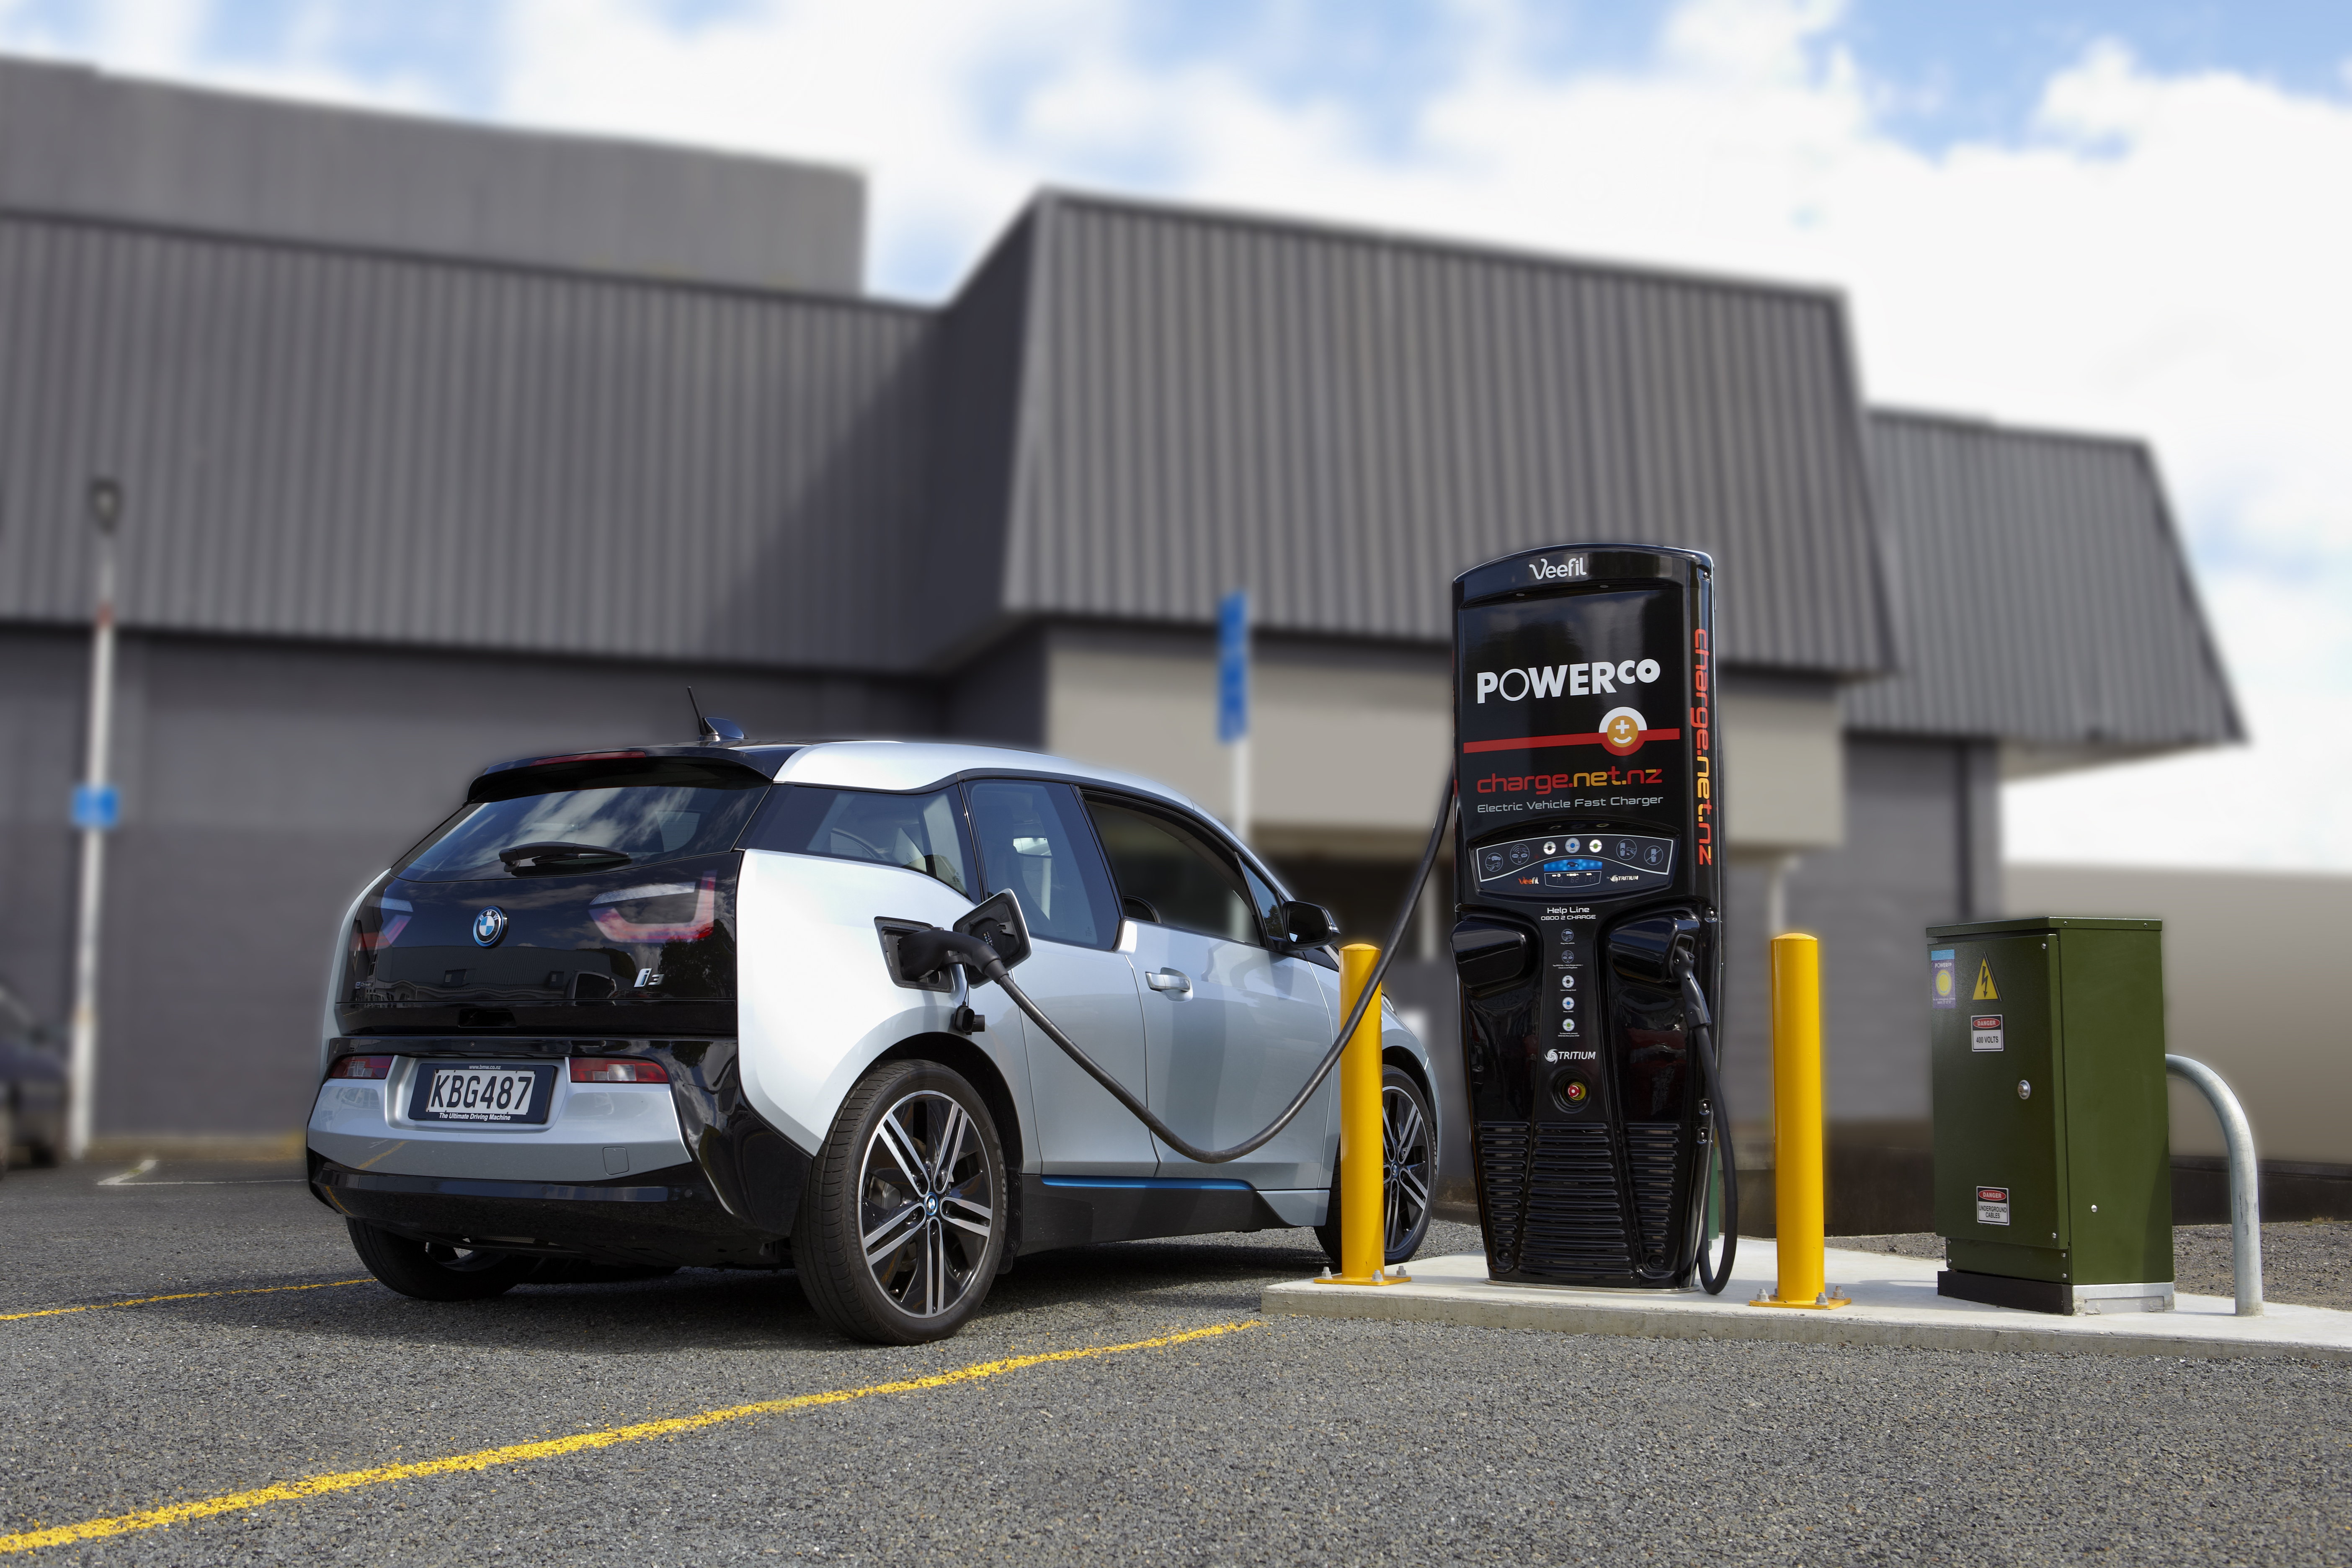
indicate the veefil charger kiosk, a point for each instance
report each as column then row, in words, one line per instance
column 1588, row 882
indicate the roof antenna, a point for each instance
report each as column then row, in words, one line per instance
column 715, row 732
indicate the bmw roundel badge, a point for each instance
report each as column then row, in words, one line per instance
column 488, row 926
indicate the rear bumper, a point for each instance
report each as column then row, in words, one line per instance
column 693, row 1176
column 669, row 1216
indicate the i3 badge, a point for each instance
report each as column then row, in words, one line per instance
column 488, row 926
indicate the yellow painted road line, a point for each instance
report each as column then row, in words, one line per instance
column 520, row 1453
column 183, row 1296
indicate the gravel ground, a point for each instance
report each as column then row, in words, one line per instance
column 1293, row 1440
column 2305, row 1262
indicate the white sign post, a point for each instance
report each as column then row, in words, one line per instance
column 1232, row 701
column 95, row 812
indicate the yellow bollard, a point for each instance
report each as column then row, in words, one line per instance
column 1363, row 1208
column 1797, row 1124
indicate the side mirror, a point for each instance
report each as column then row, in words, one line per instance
column 998, row 922
column 1306, row 925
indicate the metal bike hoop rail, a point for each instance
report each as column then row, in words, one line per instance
column 2245, row 1187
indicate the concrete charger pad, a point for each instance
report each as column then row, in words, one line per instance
column 1895, row 1303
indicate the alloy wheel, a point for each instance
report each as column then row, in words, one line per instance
column 1405, row 1164
column 924, row 1195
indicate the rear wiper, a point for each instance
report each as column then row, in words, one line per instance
column 561, row 857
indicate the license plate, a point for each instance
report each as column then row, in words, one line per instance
column 487, row 1092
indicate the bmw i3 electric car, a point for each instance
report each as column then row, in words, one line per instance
column 644, row 1008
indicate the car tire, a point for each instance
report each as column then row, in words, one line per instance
column 7, row 1135
column 901, row 1228
column 431, row 1272
column 1408, row 1170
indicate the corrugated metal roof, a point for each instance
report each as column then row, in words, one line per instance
column 1125, row 413
column 330, row 444
column 76, row 140
column 2046, row 598
column 1342, row 420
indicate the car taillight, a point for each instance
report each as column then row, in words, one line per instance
column 661, row 912
column 361, row 1066
column 617, row 1069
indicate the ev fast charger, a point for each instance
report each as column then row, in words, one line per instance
column 1588, row 878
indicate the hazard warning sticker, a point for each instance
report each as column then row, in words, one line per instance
column 1984, row 1032
column 1943, row 980
column 1985, row 992
column 1992, row 1205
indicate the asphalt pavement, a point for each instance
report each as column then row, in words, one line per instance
column 1293, row 1439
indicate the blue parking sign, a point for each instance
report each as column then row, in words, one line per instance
column 95, row 805
column 1232, row 666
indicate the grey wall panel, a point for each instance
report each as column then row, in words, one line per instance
column 76, row 140
column 979, row 423
column 263, row 785
column 43, row 677
column 332, row 445
column 1871, row 901
column 1341, row 421
column 2047, row 594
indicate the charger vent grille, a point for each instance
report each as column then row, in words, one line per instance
column 1650, row 1150
column 1503, row 1171
column 1575, row 1225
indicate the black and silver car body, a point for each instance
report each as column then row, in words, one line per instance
column 620, row 1006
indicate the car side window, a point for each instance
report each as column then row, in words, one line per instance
column 1261, row 894
column 1171, row 875
column 918, row 832
column 1033, row 841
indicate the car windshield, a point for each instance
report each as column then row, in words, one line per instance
column 645, row 822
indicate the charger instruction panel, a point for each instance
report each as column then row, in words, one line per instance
column 1591, row 864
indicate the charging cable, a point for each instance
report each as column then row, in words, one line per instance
column 919, row 952
column 1702, row 1024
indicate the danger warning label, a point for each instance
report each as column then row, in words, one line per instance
column 1992, row 1205
column 1984, row 1032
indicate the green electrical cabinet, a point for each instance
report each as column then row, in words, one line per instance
column 2053, row 1171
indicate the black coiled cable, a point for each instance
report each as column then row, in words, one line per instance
column 1718, row 1140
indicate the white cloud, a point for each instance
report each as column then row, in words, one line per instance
column 2162, row 255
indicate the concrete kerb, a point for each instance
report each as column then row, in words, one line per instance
column 1895, row 1303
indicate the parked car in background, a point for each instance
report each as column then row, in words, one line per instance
column 32, row 1087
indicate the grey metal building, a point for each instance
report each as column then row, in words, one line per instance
column 402, row 504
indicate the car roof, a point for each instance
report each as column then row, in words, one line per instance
column 921, row 765
column 897, row 765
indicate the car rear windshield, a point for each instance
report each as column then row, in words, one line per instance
column 669, row 814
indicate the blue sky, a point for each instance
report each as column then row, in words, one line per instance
column 2126, row 218
column 1972, row 69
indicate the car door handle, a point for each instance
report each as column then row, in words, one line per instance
column 1171, row 980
